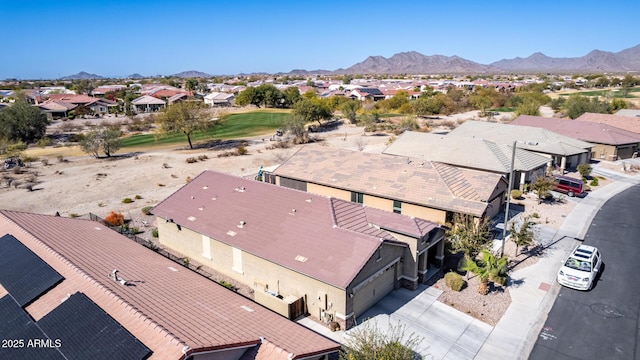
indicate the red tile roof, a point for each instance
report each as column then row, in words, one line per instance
column 629, row 123
column 281, row 224
column 594, row 132
column 167, row 306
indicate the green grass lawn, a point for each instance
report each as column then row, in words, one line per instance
column 234, row 126
column 504, row 109
column 617, row 93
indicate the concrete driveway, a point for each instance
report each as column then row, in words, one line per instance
column 445, row 333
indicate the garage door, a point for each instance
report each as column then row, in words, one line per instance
column 372, row 292
column 625, row 152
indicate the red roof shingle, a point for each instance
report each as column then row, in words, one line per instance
column 163, row 297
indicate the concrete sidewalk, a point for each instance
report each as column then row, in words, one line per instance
column 534, row 289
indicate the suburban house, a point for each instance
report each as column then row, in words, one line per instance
column 629, row 123
column 217, row 99
column 56, row 109
column 301, row 253
column 478, row 154
column 88, row 292
column 362, row 94
column 409, row 186
column 92, row 104
column 609, row 142
column 146, row 103
column 565, row 152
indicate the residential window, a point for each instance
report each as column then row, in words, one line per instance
column 397, row 207
column 237, row 260
column 206, row 247
column 357, row 197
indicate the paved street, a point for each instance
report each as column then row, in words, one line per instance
column 601, row 323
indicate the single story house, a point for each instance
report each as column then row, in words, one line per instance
column 301, row 253
column 87, row 292
column 409, row 186
column 609, row 142
column 478, row 154
column 216, row 99
column 94, row 105
column 565, row 152
column 629, row 123
column 56, row 109
column 362, row 94
column 146, row 103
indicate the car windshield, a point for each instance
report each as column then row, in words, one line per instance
column 578, row 264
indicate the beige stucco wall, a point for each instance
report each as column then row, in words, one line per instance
column 603, row 152
column 435, row 215
column 377, row 202
column 327, row 191
column 257, row 273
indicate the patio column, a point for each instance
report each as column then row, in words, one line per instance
column 563, row 164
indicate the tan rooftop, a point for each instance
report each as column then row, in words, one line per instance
column 411, row 180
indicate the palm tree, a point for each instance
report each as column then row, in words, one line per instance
column 488, row 267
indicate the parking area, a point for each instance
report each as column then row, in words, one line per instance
column 445, row 332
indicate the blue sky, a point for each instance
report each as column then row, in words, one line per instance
column 54, row 38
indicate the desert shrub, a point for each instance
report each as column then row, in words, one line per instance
column 114, row 219
column 45, row 162
column 127, row 200
column 225, row 284
column 138, row 197
column 279, row 145
column 535, row 215
column 188, row 179
column 154, row 232
column 203, row 157
column 334, row 326
column 241, row 150
column 594, row 182
column 73, row 215
column 584, row 169
column 516, row 194
column 391, row 139
column 191, row 160
column 454, row 281
column 44, row 141
column 29, row 159
column 134, row 230
column 147, row 210
column 61, row 158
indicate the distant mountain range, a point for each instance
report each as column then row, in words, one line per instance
column 82, row 76
column 192, row 74
column 413, row 62
column 416, row 63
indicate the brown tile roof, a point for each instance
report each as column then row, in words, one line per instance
column 360, row 218
column 594, row 132
column 394, row 177
column 73, row 98
column 167, row 306
column 56, row 106
column 629, row 123
column 282, row 225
